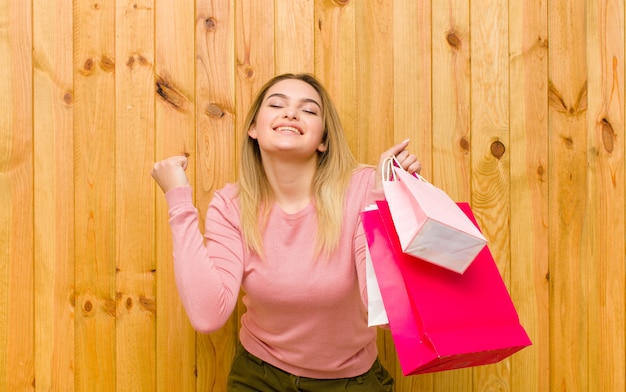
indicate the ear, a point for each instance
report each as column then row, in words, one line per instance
column 322, row 147
column 252, row 131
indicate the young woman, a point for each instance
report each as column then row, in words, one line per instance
column 288, row 234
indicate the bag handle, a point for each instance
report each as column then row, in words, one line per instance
column 388, row 173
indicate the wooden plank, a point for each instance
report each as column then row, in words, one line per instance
column 374, row 79
column 175, row 135
column 451, row 98
column 335, row 35
column 375, row 106
column 54, row 186
column 216, row 142
column 529, row 285
column 134, row 151
column 16, row 181
column 568, row 185
column 94, row 194
column 451, row 124
column 490, row 178
column 294, row 36
column 413, row 110
column 603, row 252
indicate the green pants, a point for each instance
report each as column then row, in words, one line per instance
column 249, row 373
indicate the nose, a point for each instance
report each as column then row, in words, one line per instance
column 290, row 113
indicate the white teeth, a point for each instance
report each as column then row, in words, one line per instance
column 288, row 129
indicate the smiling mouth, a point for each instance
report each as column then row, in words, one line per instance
column 293, row 130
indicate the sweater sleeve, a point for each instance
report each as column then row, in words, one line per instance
column 209, row 270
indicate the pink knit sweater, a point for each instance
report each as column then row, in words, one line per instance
column 306, row 316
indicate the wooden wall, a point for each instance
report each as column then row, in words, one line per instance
column 517, row 107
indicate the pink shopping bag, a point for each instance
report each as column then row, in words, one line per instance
column 429, row 223
column 441, row 320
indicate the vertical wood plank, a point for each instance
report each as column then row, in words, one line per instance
column 451, row 97
column 16, row 182
column 135, row 296
column 294, row 33
column 335, row 35
column 94, row 194
column 216, row 142
column 374, row 79
column 451, row 124
column 175, row 135
column 53, row 186
column 490, row 179
column 568, row 188
column 413, row 110
column 604, row 221
column 375, row 105
column 529, row 189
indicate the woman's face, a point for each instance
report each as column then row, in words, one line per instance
column 289, row 121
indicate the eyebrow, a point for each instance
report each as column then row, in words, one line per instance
column 283, row 96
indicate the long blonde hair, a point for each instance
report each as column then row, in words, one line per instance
column 334, row 168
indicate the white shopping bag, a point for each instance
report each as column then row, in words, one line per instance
column 376, row 313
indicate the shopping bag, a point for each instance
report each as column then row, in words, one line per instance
column 376, row 314
column 441, row 320
column 429, row 224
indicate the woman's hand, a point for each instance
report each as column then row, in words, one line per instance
column 407, row 160
column 170, row 173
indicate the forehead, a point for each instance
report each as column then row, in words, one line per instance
column 294, row 88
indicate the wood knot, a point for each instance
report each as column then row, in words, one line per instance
column 540, row 170
column 129, row 303
column 464, row 144
column 88, row 67
column 608, row 136
column 568, row 141
column 497, row 149
column 248, row 72
column 453, row 39
column 166, row 91
column 95, row 6
column 87, row 307
column 214, row 110
column 68, row 97
column 107, row 64
column 147, row 304
column 342, row 2
column 210, row 24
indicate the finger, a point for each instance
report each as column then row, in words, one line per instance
column 395, row 150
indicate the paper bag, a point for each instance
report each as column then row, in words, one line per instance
column 428, row 222
column 441, row 320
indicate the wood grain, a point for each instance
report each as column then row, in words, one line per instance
column 174, row 85
column 53, row 148
column 529, row 134
column 16, row 181
column 568, row 193
column 294, row 36
column 94, row 195
column 134, row 217
column 603, row 228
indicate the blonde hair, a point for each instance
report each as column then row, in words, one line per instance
column 334, row 169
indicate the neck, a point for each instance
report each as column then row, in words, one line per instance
column 291, row 182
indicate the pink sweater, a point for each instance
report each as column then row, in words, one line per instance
column 306, row 316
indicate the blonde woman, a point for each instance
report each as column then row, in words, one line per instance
column 289, row 235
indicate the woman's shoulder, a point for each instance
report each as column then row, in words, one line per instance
column 363, row 172
column 227, row 195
